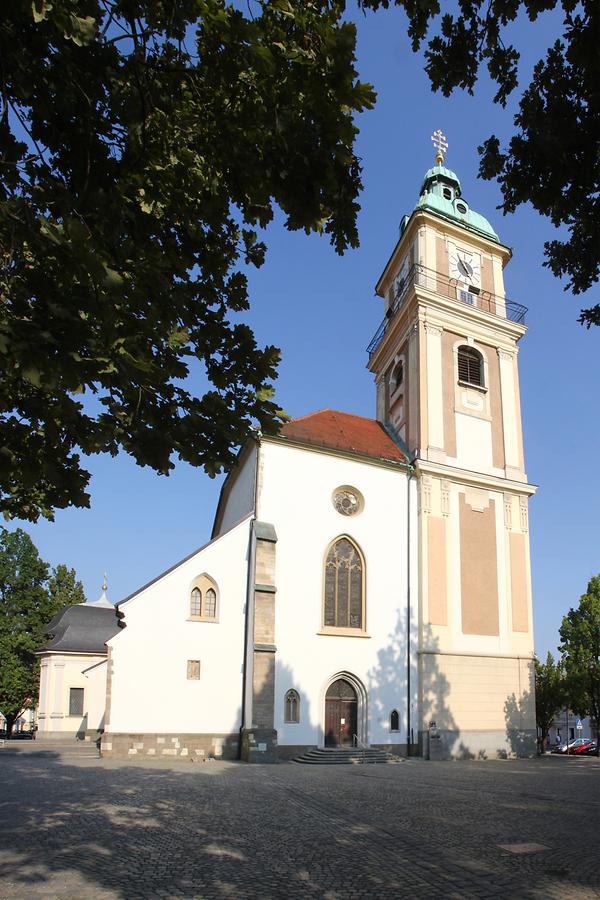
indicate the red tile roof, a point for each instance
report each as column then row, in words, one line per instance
column 343, row 431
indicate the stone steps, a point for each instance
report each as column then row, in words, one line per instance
column 340, row 756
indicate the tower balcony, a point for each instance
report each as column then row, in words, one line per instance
column 451, row 289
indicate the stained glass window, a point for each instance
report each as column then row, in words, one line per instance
column 343, row 607
column 394, row 720
column 210, row 604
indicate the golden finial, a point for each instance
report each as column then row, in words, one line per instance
column 104, row 584
column 441, row 145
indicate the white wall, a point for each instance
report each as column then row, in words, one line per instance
column 239, row 501
column 150, row 689
column 58, row 674
column 295, row 495
column 95, row 695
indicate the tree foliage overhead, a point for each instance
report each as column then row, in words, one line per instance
column 580, row 648
column 142, row 147
column 30, row 597
column 552, row 160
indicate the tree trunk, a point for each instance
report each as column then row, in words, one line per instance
column 11, row 718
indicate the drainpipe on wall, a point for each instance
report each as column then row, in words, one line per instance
column 410, row 469
column 408, row 615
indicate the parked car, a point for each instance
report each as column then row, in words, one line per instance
column 572, row 745
column 591, row 749
column 582, row 748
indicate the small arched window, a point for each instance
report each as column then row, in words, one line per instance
column 394, row 720
column 196, row 602
column 292, row 707
column 470, row 366
column 344, row 593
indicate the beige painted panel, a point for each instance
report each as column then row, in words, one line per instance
column 518, row 582
column 412, row 390
column 487, row 275
column 435, row 408
column 442, row 265
column 509, row 409
column 495, row 406
column 436, row 568
column 423, row 435
column 477, row 693
column 449, row 382
column 478, row 569
column 518, row 415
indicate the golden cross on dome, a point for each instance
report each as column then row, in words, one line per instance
column 441, row 145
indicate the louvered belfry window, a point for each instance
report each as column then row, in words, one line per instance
column 343, row 607
column 470, row 366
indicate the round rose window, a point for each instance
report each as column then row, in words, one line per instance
column 348, row 501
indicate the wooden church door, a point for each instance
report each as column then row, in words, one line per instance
column 341, row 714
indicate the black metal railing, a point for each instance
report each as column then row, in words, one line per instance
column 453, row 289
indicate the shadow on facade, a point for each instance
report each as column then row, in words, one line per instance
column 518, row 711
column 419, row 693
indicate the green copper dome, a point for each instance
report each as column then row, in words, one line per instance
column 441, row 195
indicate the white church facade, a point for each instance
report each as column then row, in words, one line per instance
column 368, row 580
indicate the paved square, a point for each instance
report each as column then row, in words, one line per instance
column 74, row 826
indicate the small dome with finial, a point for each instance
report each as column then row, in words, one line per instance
column 102, row 601
column 441, row 194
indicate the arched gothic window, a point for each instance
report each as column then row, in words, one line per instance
column 292, row 707
column 343, row 603
column 210, row 604
column 204, row 603
column 470, row 366
column 196, row 602
column 394, row 720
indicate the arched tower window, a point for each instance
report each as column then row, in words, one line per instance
column 394, row 720
column 397, row 378
column 292, row 707
column 343, row 602
column 470, row 366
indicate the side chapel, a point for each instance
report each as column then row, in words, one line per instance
column 393, row 603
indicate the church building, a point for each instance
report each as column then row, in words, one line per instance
column 368, row 580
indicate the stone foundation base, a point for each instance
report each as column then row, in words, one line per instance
column 259, row 745
column 194, row 747
column 69, row 736
column 480, row 744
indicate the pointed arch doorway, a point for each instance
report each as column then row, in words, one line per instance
column 341, row 714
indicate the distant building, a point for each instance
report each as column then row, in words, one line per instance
column 73, row 670
column 565, row 727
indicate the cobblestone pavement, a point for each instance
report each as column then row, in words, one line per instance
column 74, row 826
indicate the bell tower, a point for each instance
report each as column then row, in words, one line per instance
column 446, row 372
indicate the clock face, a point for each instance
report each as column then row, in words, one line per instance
column 465, row 267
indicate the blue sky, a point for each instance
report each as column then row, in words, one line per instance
column 321, row 310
